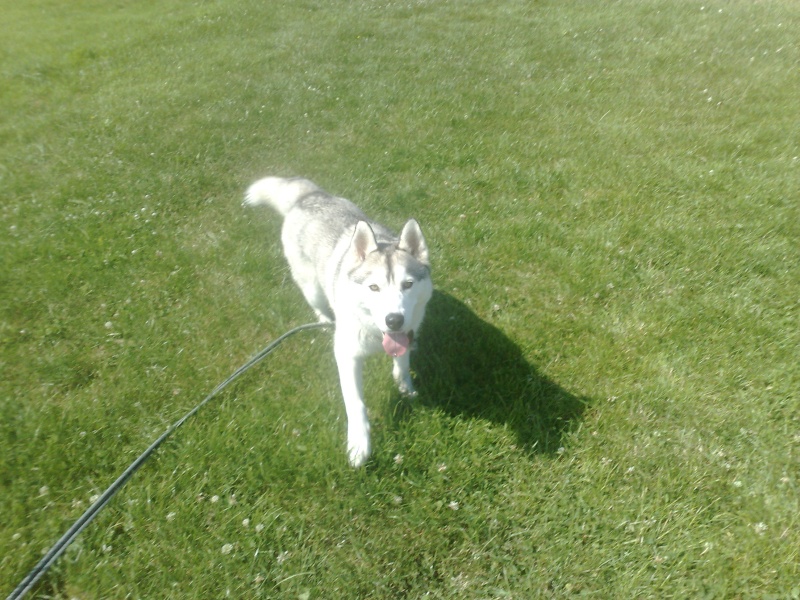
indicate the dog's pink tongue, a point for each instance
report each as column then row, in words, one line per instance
column 395, row 343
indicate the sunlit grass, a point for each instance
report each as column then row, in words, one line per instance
column 608, row 381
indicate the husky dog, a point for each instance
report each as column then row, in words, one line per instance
column 356, row 273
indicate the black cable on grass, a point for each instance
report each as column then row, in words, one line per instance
column 52, row 555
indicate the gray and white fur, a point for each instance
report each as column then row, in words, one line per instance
column 356, row 273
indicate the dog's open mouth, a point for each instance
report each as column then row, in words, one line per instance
column 397, row 343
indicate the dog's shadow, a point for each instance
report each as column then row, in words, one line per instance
column 467, row 367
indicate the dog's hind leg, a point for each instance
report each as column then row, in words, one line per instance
column 305, row 276
column 323, row 312
column 316, row 299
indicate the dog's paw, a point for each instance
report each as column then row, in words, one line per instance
column 323, row 318
column 404, row 386
column 358, row 449
column 357, row 456
column 407, row 390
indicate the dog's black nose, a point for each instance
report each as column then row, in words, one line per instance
column 394, row 321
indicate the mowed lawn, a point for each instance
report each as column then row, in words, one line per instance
column 609, row 385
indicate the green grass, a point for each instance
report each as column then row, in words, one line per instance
column 608, row 375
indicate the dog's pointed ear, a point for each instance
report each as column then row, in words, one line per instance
column 413, row 242
column 363, row 241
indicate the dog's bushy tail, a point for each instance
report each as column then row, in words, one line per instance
column 278, row 192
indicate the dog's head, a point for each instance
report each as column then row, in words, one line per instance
column 394, row 282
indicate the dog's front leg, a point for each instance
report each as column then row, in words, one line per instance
column 401, row 371
column 351, row 379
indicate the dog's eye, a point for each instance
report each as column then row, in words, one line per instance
column 374, row 288
column 407, row 284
